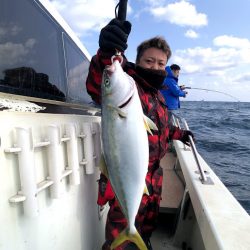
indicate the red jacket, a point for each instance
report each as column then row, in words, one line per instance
column 153, row 104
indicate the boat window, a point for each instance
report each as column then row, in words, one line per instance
column 31, row 51
column 77, row 66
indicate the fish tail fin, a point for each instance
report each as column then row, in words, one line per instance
column 125, row 235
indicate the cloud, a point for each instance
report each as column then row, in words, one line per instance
column 191, row 34
column 180, row 13
column 242, row 78
column 86, row 16
column 241, row 46
column 232, row 42
column 12, row 53
column 223, row 68
column 229, row 54
column 77, row 13
column 9, row 30
column 153, row 3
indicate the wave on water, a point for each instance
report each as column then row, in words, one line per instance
column 222, row 133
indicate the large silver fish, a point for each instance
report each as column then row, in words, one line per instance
column 125, row 145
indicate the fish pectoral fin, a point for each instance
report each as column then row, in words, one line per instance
column 149, row 124
column 120, row 112
column 103, row 167
column 124, row 235
column 145, row 191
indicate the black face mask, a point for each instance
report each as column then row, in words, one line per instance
column 152, row 76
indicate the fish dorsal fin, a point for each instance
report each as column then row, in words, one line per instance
column 103, row 167
column 149, row 124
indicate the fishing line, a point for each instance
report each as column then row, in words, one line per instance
column 211, row 90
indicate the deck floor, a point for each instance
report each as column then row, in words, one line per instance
column 162, row 238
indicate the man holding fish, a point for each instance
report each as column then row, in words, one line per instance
column 135, row 133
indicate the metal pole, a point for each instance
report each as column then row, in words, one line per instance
column 195, row 153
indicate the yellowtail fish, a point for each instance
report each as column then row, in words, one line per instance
column 125, row 146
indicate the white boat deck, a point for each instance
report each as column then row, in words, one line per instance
column 161, row 241
column 162, row 238
column 209, row 216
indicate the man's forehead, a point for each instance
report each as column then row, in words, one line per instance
column 155, row 54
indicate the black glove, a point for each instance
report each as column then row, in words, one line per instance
column 185, row 137
column 114, row 36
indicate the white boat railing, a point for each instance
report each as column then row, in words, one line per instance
column 177, row 120
column 221, row 220
column 25, row 148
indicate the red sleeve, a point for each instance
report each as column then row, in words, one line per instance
column 105, row 191
column 94, row 78
column 175, row 133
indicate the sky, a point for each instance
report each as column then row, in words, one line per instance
column 209, row 39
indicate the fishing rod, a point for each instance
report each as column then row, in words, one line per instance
column 121, row 15
column 211, row 90
column 122, row 11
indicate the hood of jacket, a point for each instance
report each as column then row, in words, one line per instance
column 170, row 73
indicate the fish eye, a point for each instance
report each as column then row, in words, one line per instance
column 107, row 82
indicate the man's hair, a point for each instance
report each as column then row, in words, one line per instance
column 175, row 67
column 155, row 42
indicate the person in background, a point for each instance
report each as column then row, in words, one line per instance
column 171, row 91
column 148, row 73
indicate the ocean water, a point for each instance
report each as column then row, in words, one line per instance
column 222, row 134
